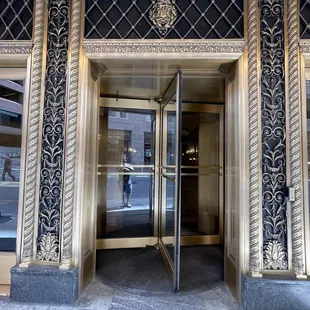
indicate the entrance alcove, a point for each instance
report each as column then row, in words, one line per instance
column 179, row 123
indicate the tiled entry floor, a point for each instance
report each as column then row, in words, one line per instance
column 138, row 280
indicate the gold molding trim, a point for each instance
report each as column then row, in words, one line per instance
column 16, row 47
column 304, row 46
column 70, row 140
column 294, row 109
column 32, row 154
column 163, row 46
column 254, row 140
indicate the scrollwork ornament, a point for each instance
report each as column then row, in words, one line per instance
column 163, row 14
column 274, row 202
column 54, row 115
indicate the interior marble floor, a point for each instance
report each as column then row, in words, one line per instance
column 138, row 280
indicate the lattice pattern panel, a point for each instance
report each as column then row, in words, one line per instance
column 194, row 19
column 305, row 19
column 16, row 19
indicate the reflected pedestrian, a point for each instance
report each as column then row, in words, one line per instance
column 125, row 183
column 7, row 169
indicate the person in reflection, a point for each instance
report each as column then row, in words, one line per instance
column 125, row 183
column 7, row 169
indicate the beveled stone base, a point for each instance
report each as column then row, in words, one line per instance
column 276, row 293
column 44, row 284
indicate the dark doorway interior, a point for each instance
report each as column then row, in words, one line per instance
column 142, row 270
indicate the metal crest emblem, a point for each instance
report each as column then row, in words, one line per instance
column 163, row 14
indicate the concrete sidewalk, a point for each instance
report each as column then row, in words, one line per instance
column 99, row 296
column 9, row 183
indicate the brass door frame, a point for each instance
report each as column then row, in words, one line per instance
column 115, row 243
column 202, row 239
column 175, row 89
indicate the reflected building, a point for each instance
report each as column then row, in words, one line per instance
column 11, row 112
column 11, row 115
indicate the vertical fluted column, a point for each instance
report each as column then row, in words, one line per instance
column 32, row 153
column 254, row 139
column 294, row 101
column 71, row 131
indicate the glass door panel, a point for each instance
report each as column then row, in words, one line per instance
column 126, row 173
column 150, row 155
column 201, row 172
column 170, row 178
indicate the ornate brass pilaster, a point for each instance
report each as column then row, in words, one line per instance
column 70, row 163
column 295, row 147
column 33, row 138
column 254, row 140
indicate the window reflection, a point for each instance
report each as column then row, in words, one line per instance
column 126, row 174
column 11, row 113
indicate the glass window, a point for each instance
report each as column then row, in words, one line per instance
column 11, row 114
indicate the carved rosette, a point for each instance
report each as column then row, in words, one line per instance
column 163, row 14
column 274, row 204
column 52, row 156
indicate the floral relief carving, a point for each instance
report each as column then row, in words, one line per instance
column 52, row 156
column 275, row 257
column 273, row 135
column 48, row 248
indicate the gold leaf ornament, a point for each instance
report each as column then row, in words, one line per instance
column 163, row 14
